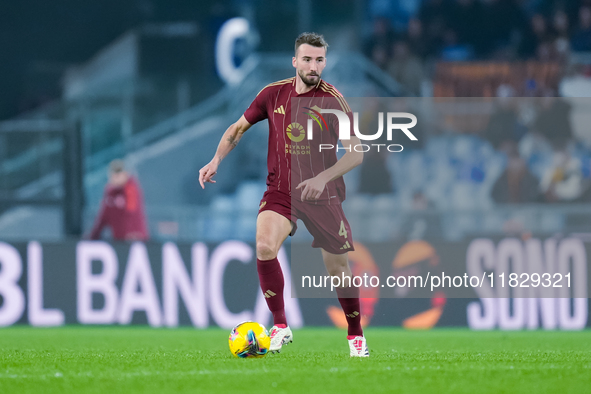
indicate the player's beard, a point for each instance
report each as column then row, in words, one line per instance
column 307, row 80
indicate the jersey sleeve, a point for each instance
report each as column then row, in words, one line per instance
column 258, row 108
column 339, row 103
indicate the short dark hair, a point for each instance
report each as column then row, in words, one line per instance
column 314, row 39
column 116, row 166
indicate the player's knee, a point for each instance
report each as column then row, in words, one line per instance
column 336, row 267
column 337, row 270
column 265, row 251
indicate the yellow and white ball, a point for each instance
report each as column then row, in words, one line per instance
column 249, row 340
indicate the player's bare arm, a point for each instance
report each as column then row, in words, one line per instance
column 313, row 187
column 228, row 142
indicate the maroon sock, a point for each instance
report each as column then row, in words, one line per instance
column 271, row 279
column 349, row 299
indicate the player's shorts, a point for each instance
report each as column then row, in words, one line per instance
column 327, row 223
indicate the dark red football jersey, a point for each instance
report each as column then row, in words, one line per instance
column 292, row 157
column 122, row 209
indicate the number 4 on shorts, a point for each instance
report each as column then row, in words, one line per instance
column 343, row 230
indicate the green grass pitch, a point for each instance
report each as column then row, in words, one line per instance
column 143, row 360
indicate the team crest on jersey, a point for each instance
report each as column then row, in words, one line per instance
column 295, row 132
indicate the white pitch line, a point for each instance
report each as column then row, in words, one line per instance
column 263, row 370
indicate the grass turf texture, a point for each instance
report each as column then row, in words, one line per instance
column 129, row 360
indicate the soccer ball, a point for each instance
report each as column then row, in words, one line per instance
column 249, row 339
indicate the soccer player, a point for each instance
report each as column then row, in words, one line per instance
column 318, row 188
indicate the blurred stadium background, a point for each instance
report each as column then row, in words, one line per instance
column 157, row 82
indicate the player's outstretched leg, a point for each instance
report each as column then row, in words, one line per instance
column 349, row 300
column 338, row 265
column 272, row 284
column 272, row 229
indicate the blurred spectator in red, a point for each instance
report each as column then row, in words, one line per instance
column 122, row 207
column 581, row 38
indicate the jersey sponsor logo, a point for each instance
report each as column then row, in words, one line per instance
column 280, row 110
column 295, row 132
column 295, row 149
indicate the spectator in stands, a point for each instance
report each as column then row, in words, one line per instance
column 379, row 55
column 122, row 207
column 516, row 184
column 581, row 38
column 374, row 177
column 417, row 40
column 553, row 121
column 563, row 181
column 535, row 36
column 406, row 68
column 452, row 50
column 545, row 52
column 504, row 24
column 467, row 21
column 561, row 28
column 503, row 129
column 435, row 15
column 420, row 201
column 381, row 38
